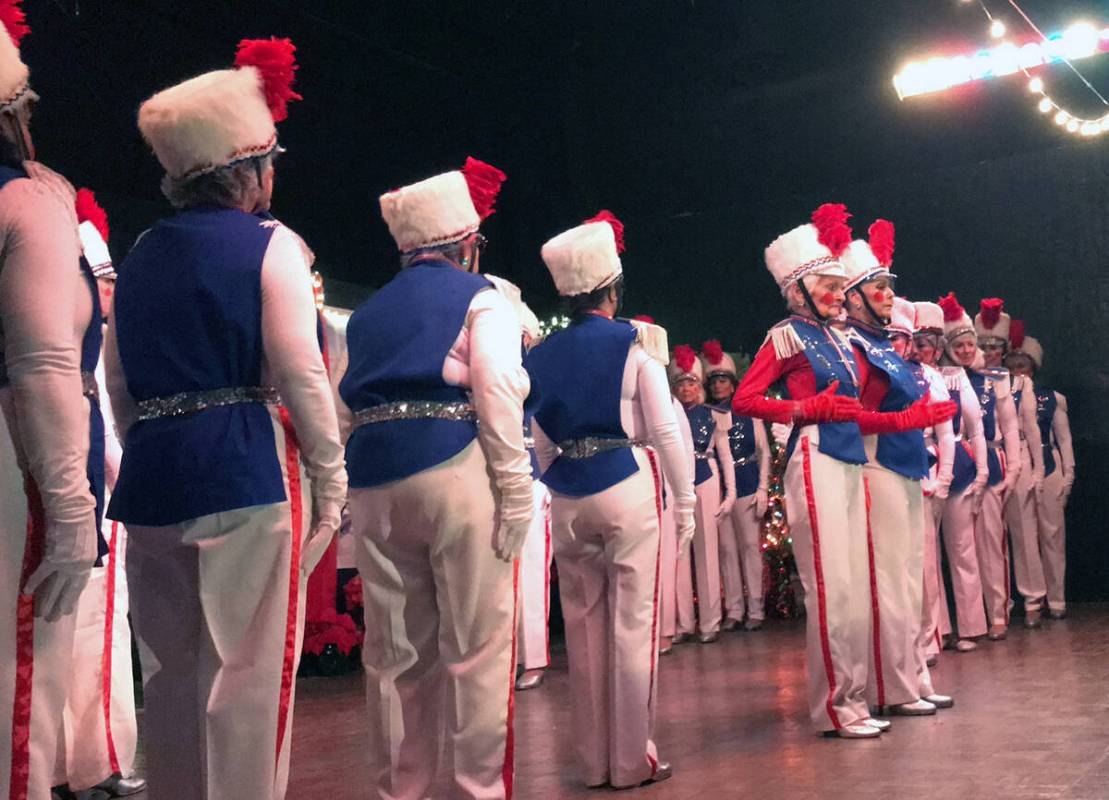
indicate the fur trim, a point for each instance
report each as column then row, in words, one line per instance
column 583, row 259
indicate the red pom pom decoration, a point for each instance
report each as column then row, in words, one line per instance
column 644, row 318
column 713, row 351
column 15, row 21
column 275, row 62
column 684, row 357
column 880, row 236
column 1016, row 334
column 617, row 227
column 484, row 182
column 951, row 308
column 990, row 310
column 88, row 210
column 832, row 229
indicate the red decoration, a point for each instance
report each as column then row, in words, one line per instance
column 275, row 62
column 881, row 236
column 88, row 210
column 617, row 227
column 831, row 225
column 684, row 357
column 644, row 318
column 713, row 351
column 331, row 628
column 1016, row 334
column 352, row 592
column 952, row 311
column 15, row 21
column 484, row 181
column 990, row 310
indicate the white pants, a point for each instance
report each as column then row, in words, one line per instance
column 827, row 516
column 534, row 602
column 895, row 544
column 100, row 733
column 706, row 563
column 36, row 655
column 668, row 574
column 1021, row 516
column 741, row 561
column 440, row 632
column 1053, row 538
column 607, row 548
column 935, row 622
column 216, row 604
column 992, row 544
column 962, row 558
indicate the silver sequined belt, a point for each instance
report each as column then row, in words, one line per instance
column 529, row 443
column 415, row 409
column 743, row 462
column 590, row 446
column 89, row 387
column 703, row 456
column 177, row 405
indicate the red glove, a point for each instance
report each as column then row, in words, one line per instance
column 826, row 407
column 921, row 414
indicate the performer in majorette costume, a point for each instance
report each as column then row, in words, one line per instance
column 48, row 537
column 99, row 732
column 923, row 324
column 969, row 481
column 1025, row 357
column 1002, row 429
column 533, row 652
column 824, row 375
column 896, row 463
column 224, row 493
column 714, row 484
column 441, row 494
column 605, row 432
column 741, row 530
column 994, row 328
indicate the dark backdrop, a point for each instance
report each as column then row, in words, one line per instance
column 708, row 127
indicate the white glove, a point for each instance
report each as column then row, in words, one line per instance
column 64, row 570
column 516, row 508
column 725, row 507
column 942, row 490
column 326, row 518
column 509, row 539
column 762, row 502
column 928, row 486
column 686, row 527
column 781, row 433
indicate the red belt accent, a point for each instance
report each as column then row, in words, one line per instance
column 106, row 655
column 876, row 617
column 296, row 510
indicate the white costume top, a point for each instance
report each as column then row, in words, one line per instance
column 942, row 435
column 1028, row 425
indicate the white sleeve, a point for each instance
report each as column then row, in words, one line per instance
column 687, row 435
column 295, row 366
column 973, row 430
column 1006, row 411
column 663, row 430
column 343, row 412
column 1060, row 426
column 1031, row 428
column 499, row 386
column 113, row 451
column 42, row 294
column 724, row 452
column 124, row 408
column 762, row 447
column 944, row 433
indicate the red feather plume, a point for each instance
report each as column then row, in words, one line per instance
column 88, row 210
column 484, row 182
column 713, row 351
column 15, row 21
column 951, row 308
column 1016, row 334
column 990, row 309
column 880, row 235
column 617, row 227
column 831, row 225
column 275, row 61
column 644, row 318
column 684, row 357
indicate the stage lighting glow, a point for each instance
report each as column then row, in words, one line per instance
column 1061, row 118
column 1046, row 105
column 997, row 29
column 1036, row 86
column 1072, row 126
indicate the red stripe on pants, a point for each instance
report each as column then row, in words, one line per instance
column 658, row 567
column 875, row 615
column 547, row 581
column 106, row 655
column 508, row 768
column 25, row 648
column 821, row 601
column 292, row 471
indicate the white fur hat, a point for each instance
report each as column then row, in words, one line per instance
column 956, row 321
column 14, row 75
column 811, row 249
column 219, row 118
column 903, row 317
column 441, row 209
column 685, row 365
column 715, row 362
column 586, row 258
column 866, row 260
column 929, row 316
column 511, row 292
column 93, row 229
column 991, row 323
column 1034, row 350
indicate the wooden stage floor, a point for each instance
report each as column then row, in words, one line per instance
column 1031, row 722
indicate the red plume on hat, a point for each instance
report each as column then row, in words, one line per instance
column 880, row 236
column 644, row 318
column 484, row 182
column 951, row 308
column 990, row 309
column 88, row 210
column 713, row 351
column 15, row 21
column 275, row 62
column 684, row 357
column 1016, row 334
column 830, row 221
column 617, row 227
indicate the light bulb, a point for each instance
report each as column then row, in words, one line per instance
column 1035, row 86
column 997, row 29
column 1104, row 124
column 1062, row 117
column 1072, row 126
column 1046, row 105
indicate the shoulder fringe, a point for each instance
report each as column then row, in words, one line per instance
column 786, row 341
column 953, row 378
column 653, row 339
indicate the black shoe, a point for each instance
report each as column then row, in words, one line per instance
column 119, row 786
column 62, row 792
column 1057, row 614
